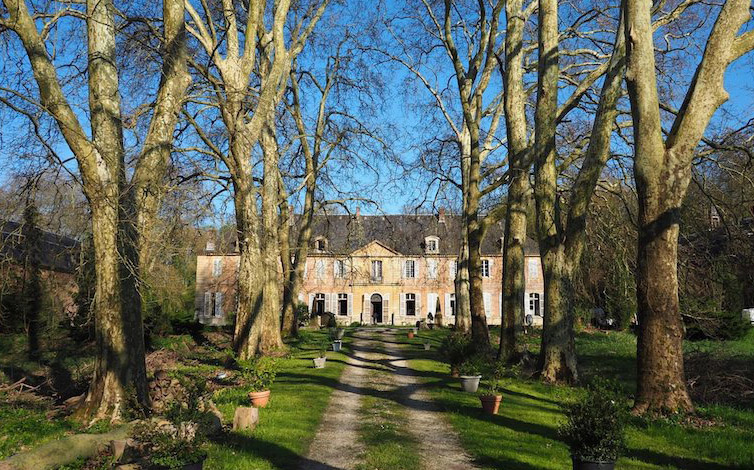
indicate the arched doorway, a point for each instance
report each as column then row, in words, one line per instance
column 376, row 301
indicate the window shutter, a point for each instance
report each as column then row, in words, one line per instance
column 418, row 305
column 403, row 304
column 218, row 304
column 350, row 304
column 367, row 308
column 447, row 305
column 300, row 297
column 311, row 303
column 487, row 302
column 207, row 304
column 335, row 268
column 432, row 304
column 385, row 309
column 416, row 268
column 492, row 263
column 328, row 303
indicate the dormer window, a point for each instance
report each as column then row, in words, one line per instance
column 432, row 244
column 320, row 244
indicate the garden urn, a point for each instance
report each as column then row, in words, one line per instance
column 470, row 383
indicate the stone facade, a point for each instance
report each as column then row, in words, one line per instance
column 381, row 270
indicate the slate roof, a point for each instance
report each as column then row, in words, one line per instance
column 57, row 253
column 404, row 233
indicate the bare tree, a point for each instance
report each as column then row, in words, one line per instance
column 234, row 53
column 116, row 205
column 662, row 173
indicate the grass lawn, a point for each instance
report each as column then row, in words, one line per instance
column 287, row 425
column 523, row 436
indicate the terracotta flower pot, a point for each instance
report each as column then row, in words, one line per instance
column 410, row 335
column 491, row 403
column 579, row 464
column 259, row 399
column 454, row 372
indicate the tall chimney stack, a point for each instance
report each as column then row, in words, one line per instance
column 358, row 212
column 441, row 215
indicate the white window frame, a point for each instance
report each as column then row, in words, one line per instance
column 377, row 270
column 486, row 268
column 217, row 267
column 409, row 269
column 429, row 241
column 410, row 297
column 432, row 268
column 339, row 268
column 534, row 296
column 342, row 297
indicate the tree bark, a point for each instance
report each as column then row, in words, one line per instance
column 558, row 351
column 662, row 174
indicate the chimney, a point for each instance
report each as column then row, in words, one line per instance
column 291, row 216
column 210, row 247
column 358, row 212
column 441, row 215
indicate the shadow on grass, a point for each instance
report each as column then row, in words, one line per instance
column 279, row 456
column 664, row 460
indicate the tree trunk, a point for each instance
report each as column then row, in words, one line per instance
column 270, row 339
column 287, row 327
column 514, row 264
column 661, row 385
column 246, row 337
column 558, row 352
column 463, row 301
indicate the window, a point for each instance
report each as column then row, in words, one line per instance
column 534, row 304
column 411, row 304
column 320, row 244
column 452, row 304
column 533, row 268
column 319, row 304
column 432, row 268
column 409, row 270
column 217, row 267
column 377, row 270
column 431, row 244
column 320, row 267
column 340, row 268
column 485, row 268
column 342, row 304
column 213, row 304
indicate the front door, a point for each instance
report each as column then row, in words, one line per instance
column 376, row 300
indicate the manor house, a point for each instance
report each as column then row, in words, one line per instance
column 373, row 269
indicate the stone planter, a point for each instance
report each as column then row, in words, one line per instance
column 319, row 362
column 259, row 399
column 336, row 345
column 470, row 383
column 427, row 346
column 586, row 465
column 491, row 403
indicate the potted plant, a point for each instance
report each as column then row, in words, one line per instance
column 470, row 372
column 595, row 427
column 321, row 359
column 339, row 333
column 336, row 345
column 454, row 348
column 427, row 345
column 259, row 374
column 411, row 334
column 491, row 395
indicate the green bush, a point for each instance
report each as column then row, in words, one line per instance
column 704, row 320
column 259, row 373
column 455, row 348
column 595, row 424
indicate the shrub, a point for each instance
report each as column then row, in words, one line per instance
column 259, row 373
column 704, row 320
column 472, row 365
column 455, row 348
column 169, row 447
column 595, row 423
